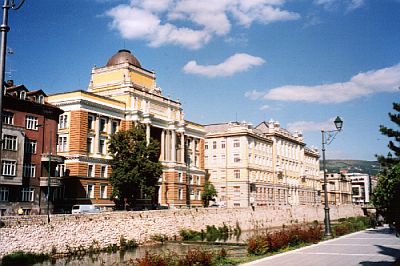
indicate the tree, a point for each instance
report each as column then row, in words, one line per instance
column 208, row 194
column 394, row 145
column 386, row 195
column 135, row 166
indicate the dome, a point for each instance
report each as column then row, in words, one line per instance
column 123, row 56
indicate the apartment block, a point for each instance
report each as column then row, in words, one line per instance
column 29, row 165
column 259, row 166
column 339, row 188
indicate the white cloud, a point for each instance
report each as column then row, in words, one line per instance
column 348, row 5
column 360, row 85
column 156, row 21
column 265, row 107
column 309, row 126
column 234, row 64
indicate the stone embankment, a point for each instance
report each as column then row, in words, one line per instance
column 34, row 234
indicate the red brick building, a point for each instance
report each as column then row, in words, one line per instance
column 28, row 152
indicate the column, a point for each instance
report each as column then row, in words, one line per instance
column 167, row 145
column 147, row 133
column 162, row 145
column 97, row 135
column 173, row 146
column 182, row 148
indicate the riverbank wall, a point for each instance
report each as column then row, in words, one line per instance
column 35, row 234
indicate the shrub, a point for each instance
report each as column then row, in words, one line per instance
column 23, row 258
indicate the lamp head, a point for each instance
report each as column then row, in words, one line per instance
column 338, row 123
column 389, row 155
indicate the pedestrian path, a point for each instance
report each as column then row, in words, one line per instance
column 378, row 247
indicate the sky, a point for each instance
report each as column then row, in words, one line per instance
column 299, row 62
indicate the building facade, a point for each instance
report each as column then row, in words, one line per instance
column 29, row 178
column 120, row 95
column 339, row 189
column 361, row 187
column 265, row 165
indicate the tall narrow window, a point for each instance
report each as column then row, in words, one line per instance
column 90, row 191
column 90, row 145
column 30, row 146
column 27, row 194
column 29, row 170
column 62, row 144
column 4, row 192
column 102, row 125
column 63, row 121
column 9, row 167
column 90, row 122
column 103, row 191
column 114, row 127
column 102, row 146
column 103, row 171
column 90, row 172
column 236, row 174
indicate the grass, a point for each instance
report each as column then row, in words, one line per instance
column 23, row 258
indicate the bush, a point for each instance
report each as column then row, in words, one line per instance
column 23, row 258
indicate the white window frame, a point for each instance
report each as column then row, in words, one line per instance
column 9, row 167
column 90, row 144
column 63, row 121
column 30, row 146
column 61, row 170
column 236, row 143
column 223, row 144
column 104, row 129
column 40, row 99
column 28, row 194
column 10, row 142
column 236, row 157
column 91, row 170
column 103, row 171
column 103, row 191
column 180, row 193
column 236, row 174
column 31, row 122
column 8, row 118
column 90, row 122
column 22, row 95
column 114, row 126
column 62, row 145
column 29, row 170
column 180, row 177
column 90, row 190
column 102, row 147
column 4, row 193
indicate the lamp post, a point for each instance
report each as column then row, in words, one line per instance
column 4, row 28
column 187, row 176
column 48, row 179
column 327, row 138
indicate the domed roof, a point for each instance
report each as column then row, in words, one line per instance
column 123, row 56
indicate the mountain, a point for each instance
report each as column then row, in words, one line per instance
column 352, row 166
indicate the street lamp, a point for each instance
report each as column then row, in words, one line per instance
column 4, row 28
column 327, row 138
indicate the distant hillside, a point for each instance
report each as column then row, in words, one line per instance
column 352, row 166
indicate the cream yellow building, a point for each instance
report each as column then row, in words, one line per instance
column 263, row 165
column 339, row 188
column 121, row 94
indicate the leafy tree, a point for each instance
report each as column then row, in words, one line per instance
column 135, row 166
column 394, row 145
column 209, row 193
column 386, row 195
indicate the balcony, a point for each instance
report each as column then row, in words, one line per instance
column 54, row 158
column 54, row 181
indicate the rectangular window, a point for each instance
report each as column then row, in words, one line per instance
column 180, row 193
column 180, row 178
column 9, row 143
column 90, row 172
column 114, row 127
column 236, row 158
column 236, row 143
column 103, row 171
column 27, row 194
column 102, row 125
column 206, row 146
column 90, row 145
column 102, row 146
column 8, row 118
column 236, row 189
column 31, row 122
column 9, row 167
column 223, row 145
column 30, row 146
column 90, row 122
column 29, row 170
column 62, row 143
column 191, row 179
column 90, row 191
column 103, row 191
column 4, row 192
column 60, row 170
column 63, row 121
column 198, row 195
column 214, row 145
column 198, row 180
column 236, row 174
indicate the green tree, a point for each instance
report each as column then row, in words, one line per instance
column 135, row 166
column 208, row 194
column 386, row 195
column 394, row 135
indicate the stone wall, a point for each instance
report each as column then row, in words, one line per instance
column 33, row 234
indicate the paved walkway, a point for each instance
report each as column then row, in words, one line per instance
column 373, row 247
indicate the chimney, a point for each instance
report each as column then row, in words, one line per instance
column 10, row 83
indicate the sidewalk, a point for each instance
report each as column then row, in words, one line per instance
column 377, row 247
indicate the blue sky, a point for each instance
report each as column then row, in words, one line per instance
column 301, row 62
